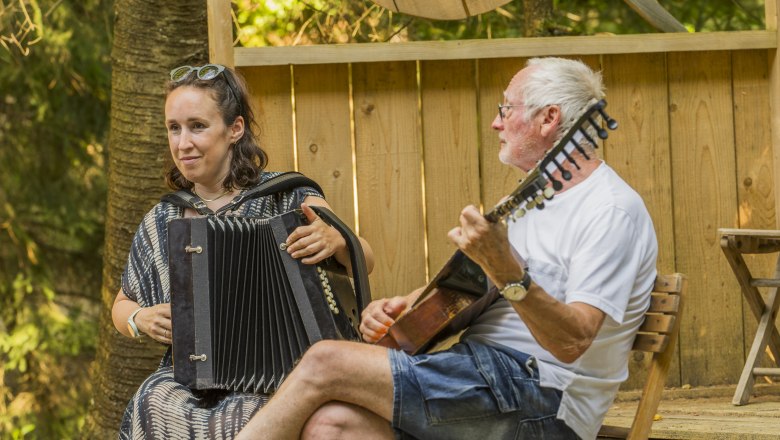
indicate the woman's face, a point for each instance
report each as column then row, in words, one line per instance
column 199, row 140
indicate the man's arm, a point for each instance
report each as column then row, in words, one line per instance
column 565, row 330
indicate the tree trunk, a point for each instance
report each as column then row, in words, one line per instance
column 150, row 38
column 536, row 17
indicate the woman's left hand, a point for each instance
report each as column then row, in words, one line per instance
column 315, row 241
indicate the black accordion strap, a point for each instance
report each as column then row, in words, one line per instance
column 282, row 182
column 356, row 257
column 185, row 199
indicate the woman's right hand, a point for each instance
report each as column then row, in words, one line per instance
column 155, row 322
column 379, row 315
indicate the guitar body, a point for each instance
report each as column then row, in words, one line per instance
column 441, row 314
column 458, row 294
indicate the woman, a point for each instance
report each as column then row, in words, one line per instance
column 216, row 158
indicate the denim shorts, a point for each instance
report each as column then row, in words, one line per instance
column 473, row 391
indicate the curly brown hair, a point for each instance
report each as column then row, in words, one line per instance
column 230, row 92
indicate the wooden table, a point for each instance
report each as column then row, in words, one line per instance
column 735, row 243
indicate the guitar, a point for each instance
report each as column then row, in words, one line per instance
column 461, row 291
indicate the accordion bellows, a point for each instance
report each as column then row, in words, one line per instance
column 243, row 310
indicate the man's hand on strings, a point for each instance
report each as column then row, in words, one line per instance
column 315, row 241
column 487, row 244
column 379, row 315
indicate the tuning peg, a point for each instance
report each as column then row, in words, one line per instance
column 599, row 129
column 549, row 193
column 519, row 213
column 556, row 184
column 566, row 174
column 569, row 158
column 585, row 134
column 611, row 123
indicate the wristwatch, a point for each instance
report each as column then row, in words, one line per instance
column 516, row 291
column 134, row 332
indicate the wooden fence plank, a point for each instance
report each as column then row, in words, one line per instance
column 272, row 104
column 388, row 153
column 324, row 133
column 497, row 179
column 705, row 199
column 451, row 159
column 755, row 181
column 637, row 99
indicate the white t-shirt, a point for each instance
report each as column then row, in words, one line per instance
column 594, row 244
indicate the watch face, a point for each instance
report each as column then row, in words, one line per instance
column 514, row 293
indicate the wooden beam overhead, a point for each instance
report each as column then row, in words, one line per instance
column 505, row 48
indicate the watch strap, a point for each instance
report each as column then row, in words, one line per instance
column 526, row 281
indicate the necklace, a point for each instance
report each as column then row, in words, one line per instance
column 210, row 200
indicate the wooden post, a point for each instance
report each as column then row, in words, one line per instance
column 771, row 8
column 220, row 22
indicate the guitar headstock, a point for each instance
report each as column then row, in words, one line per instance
column 539, row 184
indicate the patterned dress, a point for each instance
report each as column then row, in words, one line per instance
column 163, row 408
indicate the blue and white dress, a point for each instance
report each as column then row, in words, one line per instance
column 162, row 408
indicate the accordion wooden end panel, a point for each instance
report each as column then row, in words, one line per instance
column 243, row 310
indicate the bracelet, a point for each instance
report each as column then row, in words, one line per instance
column 134, row 332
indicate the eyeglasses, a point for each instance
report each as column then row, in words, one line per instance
column 205, row 72
column 501, row 108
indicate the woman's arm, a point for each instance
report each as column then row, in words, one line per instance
column 154, row 321
column 318, row 241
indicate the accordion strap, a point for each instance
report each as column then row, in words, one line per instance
column 282, row 182
column 356, row 257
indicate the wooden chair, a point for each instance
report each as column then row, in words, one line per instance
column 658, row 335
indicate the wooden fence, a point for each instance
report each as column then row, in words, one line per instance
column 399, row 137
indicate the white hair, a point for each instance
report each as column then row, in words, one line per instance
column 570, row 84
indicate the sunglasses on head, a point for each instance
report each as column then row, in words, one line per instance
column 205, row 72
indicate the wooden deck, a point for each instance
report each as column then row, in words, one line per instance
column 707, row 413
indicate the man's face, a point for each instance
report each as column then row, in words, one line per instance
column 522, row 137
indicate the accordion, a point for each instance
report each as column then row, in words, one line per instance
column 243, row 311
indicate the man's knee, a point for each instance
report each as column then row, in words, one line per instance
column 325, row 356
column 323, row 361
column 328, row 422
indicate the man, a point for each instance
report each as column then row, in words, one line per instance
column 544, row 361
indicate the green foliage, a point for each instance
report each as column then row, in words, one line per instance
column 298, row 22
column 54, row 107
column 54, row 100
